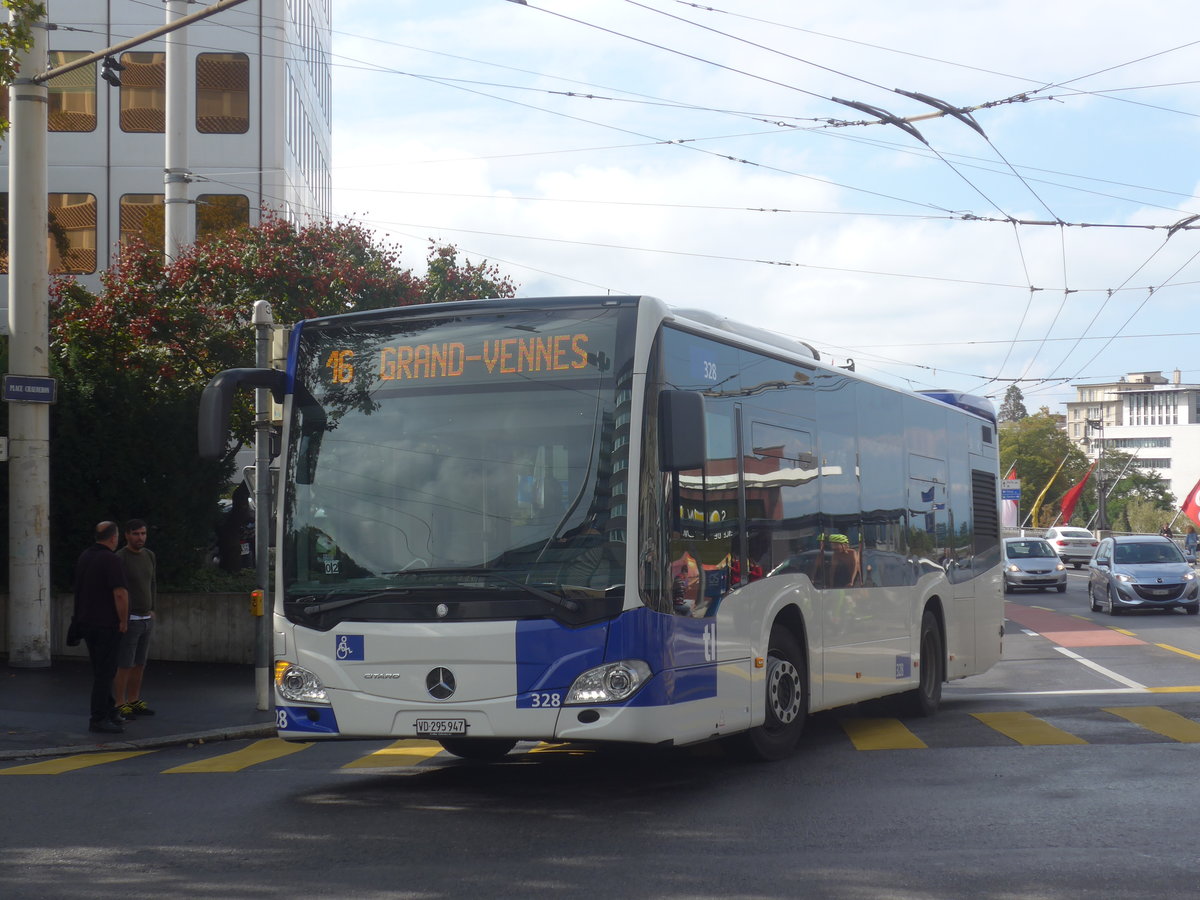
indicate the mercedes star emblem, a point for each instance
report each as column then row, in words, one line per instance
column 440, row 683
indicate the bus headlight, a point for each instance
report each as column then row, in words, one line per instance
column 610, row 683
column 297, row 684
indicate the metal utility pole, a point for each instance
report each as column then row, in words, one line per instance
column 262, row 505
column 28, row 359
column 1101, row 497
column 176, row 174
column 28, row 387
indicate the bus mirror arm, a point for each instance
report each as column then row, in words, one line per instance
column 217, row 401
column 682, row 435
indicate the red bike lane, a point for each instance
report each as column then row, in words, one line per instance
column 1065, row 630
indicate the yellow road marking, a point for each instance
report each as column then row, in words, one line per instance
column 72, row 763
column 401, row 753
column 880, row 734
column 574, row 749
column 1026, row 729
column 258, row 752
column 1177, row 650
column 1181, row 689
column 1123, row 631
column 1161, row 721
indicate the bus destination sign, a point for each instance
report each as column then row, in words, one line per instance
column 534, row 355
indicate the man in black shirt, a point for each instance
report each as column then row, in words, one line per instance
column 102, row 612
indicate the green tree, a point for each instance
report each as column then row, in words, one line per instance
column 1036, row 446
column 1013, row 407
column 1136, row 498
column 133, row 359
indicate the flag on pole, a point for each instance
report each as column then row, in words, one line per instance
column 1071, row 497
column 1037, row 504
column 1191, row 506
column 1010, row 509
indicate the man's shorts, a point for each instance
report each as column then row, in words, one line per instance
column 135, row 643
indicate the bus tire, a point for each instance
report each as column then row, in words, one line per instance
column 925, row 699
column 786, row 700
column 478, row 749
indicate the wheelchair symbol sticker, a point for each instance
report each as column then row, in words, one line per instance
column 349, row 646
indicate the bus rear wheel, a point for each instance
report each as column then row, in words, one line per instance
column 478, row 749
column 925, row 699
column 786, row 700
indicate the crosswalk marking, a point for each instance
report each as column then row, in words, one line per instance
column 1161, row 721
column 1026, row 729
column 864, row 733
column 258, row 752
column 880, row 734
column 72, row 763
column 401, row 753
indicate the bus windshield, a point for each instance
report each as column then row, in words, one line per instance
column 469, row 454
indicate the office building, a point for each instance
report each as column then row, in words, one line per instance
column 258, row 125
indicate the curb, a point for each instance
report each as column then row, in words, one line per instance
column 232, row 733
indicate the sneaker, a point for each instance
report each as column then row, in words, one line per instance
column 139, row 708
column 106, row 726
column 125, row 711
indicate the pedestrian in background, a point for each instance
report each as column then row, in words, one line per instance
column 101, row 611
column 1189, row 543
column 141, row 579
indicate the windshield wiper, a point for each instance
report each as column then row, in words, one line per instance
column 347, row 601
column 565, row 602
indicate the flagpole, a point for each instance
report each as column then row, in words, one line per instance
column 1038, row 502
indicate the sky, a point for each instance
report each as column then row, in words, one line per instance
column 711, row 155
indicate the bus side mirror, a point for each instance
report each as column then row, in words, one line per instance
column 217, row 401
column 682, row 435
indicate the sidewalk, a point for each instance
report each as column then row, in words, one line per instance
column 44, row 712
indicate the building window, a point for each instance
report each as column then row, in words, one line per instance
column 72, row 95
column 144, row 92
column 72, row 238
column 220, row 212
column 222, row 93
column 142, row 219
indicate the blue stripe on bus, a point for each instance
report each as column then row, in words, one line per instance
column 313, row 719
column 679, row 650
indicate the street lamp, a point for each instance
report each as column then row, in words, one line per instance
column 1101, row 512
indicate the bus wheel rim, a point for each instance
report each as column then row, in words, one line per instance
column 783, row 690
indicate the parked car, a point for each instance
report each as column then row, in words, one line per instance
column 1074, row 545
column 1141, row 571
column 1030, row 562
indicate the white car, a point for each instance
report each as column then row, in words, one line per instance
column 1073, row 545
column 1030, row 562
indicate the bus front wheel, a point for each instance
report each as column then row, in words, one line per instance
column 478, row 749
column 786, row 700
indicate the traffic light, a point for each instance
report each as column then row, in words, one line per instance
column 111, row 70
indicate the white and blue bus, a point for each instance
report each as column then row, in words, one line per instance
column 603, row 519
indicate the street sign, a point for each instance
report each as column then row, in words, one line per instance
column 30, row 389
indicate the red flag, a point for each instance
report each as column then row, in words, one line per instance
column 1191, row 506
column 1072, row 496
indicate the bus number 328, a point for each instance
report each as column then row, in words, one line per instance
column 545, row 701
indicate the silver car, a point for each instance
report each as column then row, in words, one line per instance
column 1030, row 562
column 1074, row 545
column 1141, row 571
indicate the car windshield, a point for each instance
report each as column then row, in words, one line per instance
column 1029, row 550
column 1147, row 553
column 465, row 453
column 1074, row 533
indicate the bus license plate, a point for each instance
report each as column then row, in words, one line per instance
column 440, row 727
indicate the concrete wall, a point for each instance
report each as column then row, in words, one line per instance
column 189, row 628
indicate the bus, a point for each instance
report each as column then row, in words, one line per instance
column 605, row 519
